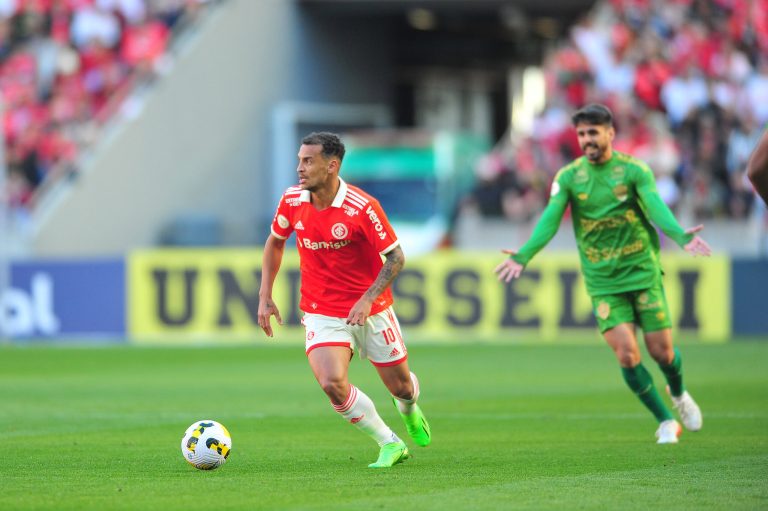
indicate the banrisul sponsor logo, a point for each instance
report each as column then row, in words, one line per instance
column 29, row 312
column 323, row 245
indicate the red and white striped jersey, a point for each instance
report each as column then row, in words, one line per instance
column 340, row 247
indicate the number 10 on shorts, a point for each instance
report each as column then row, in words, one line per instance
column 389, row 336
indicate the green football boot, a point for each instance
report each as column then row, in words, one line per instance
column 416, row 424
column 391, row 454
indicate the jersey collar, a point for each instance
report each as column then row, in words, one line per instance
column 337, row 201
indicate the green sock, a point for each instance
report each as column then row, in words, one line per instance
column 639, row 380
column 674, row 375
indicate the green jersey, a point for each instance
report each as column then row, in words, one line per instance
column 612, row 206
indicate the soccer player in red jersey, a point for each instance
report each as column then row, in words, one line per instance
column 342, row 234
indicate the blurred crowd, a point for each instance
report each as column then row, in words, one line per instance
column 687, row 81
column 65, row 67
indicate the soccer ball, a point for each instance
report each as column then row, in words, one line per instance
column 206, row 445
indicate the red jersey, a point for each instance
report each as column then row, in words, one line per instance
column 340, row 248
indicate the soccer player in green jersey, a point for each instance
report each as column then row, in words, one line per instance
column 613, row 200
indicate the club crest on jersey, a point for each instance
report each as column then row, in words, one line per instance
column 620, row 191
column 339, row 231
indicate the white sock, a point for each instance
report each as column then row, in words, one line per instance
column 361, row 412
column 406, row 405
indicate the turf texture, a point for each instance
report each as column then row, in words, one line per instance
column 514, row 426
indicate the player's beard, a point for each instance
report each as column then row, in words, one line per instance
column 310, row 187
column 594, row 152
column 306, row 184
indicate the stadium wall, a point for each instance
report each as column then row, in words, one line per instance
column 211, row 296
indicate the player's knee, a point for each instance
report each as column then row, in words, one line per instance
column 627, row 358
column 402, row 388
column 404, row 392
column 662, row 356
column 335, row 388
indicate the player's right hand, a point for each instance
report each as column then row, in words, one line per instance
column 267, row 309
column 509, row 269
column 697, row 246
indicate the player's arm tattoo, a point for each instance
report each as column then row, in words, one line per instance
column 392, row 266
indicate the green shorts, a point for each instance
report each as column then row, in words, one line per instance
column 646, row 308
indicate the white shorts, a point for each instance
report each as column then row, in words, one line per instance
column 380, row 340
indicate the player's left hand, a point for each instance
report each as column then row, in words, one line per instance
column 697, row 246
column 509, row 269
column 359, row 313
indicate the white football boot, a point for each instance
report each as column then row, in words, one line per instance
column 668, row 432
column 689, row 411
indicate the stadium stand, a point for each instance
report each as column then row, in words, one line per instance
column 65, row 68
column 688, row 83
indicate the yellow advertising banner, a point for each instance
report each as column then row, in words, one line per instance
column 188, row 295
column 212, row 295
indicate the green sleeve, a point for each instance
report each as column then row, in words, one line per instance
column 657, row 210
column 547, row 226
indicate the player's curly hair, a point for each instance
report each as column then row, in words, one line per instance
column 331, row 142
column 594, row 113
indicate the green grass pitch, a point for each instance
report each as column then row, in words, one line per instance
column 514, row 427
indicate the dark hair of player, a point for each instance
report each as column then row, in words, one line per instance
column 594, row 113
column 332, row 144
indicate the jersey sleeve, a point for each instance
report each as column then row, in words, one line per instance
column 377, row 228
column 656, row 209
column 282, row 227
column 549, row 223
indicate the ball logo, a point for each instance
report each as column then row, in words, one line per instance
column 339, row 231
column 282, row 221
